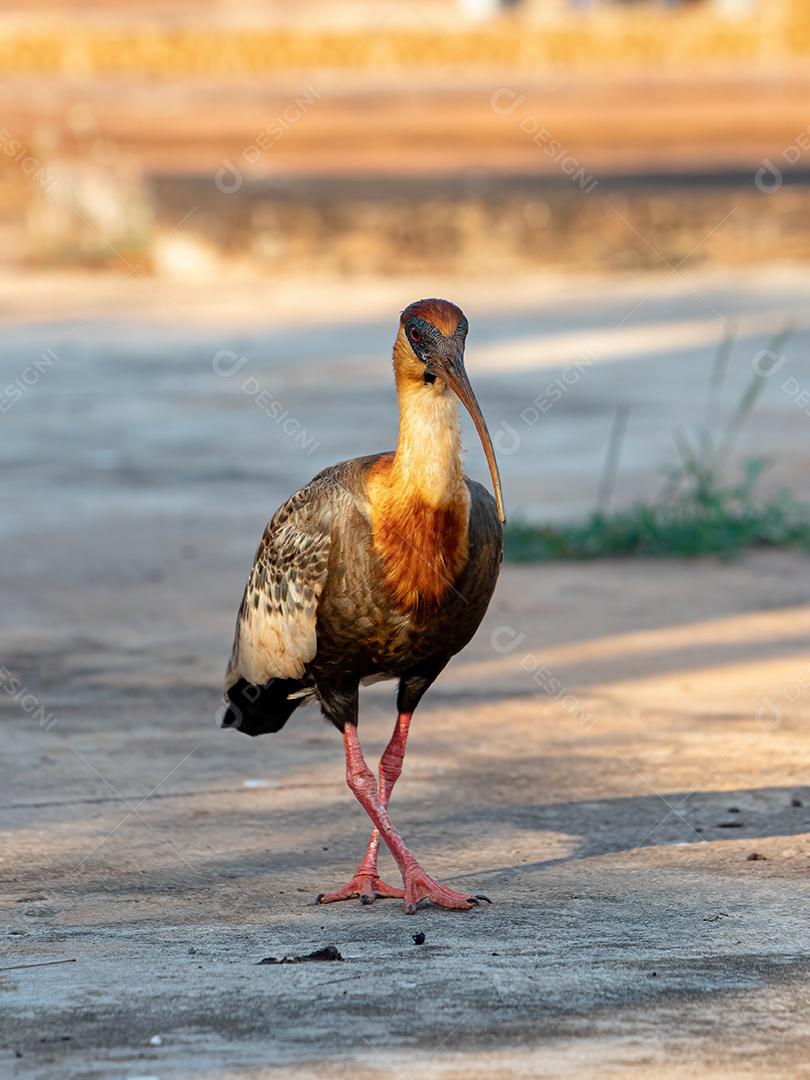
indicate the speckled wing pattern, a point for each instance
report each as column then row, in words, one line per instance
column 276, row 626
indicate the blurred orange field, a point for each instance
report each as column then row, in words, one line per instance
column 596, row 42
column 316, row 123
column 126, row 118
column 371, row 165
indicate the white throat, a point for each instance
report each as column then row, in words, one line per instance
column 428, row 457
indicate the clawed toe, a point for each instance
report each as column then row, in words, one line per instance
column 387, row 892
column 420, row 886
column 417, row 889
column 367, row 888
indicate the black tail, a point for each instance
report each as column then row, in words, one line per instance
column 259, row 710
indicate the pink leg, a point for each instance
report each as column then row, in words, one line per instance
column 366, row 882
column 418, row 884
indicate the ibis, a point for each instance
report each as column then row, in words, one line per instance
column 382, row 567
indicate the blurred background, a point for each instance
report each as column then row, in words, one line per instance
column 415, row 136
column 610, row 189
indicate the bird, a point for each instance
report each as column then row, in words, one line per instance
column 382, row 567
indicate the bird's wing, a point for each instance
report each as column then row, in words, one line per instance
column 276, row 628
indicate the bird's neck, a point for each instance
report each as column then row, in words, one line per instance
column 427, row 462
column 419, row 500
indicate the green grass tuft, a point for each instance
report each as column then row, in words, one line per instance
column 723, row 522
column 697, row 513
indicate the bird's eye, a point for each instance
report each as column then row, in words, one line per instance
column 415, row 335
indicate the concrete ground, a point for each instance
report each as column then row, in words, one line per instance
column 602, row 761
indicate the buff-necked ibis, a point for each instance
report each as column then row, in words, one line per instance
column 382, row 567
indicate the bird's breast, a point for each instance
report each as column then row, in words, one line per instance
column 423, row 547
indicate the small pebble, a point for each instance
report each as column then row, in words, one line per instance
column 419, row 939
column 756, row 857
column 796, row 802
column 156, row 1041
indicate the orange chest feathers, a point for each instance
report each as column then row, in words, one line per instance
column 423, row 548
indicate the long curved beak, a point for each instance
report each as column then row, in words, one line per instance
column 451, row 369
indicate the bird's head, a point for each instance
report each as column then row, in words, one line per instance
column 429, row 358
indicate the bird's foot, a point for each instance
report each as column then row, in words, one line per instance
column 420, row 886
column 367, row 886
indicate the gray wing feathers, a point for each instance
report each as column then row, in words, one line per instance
column 276, row 627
